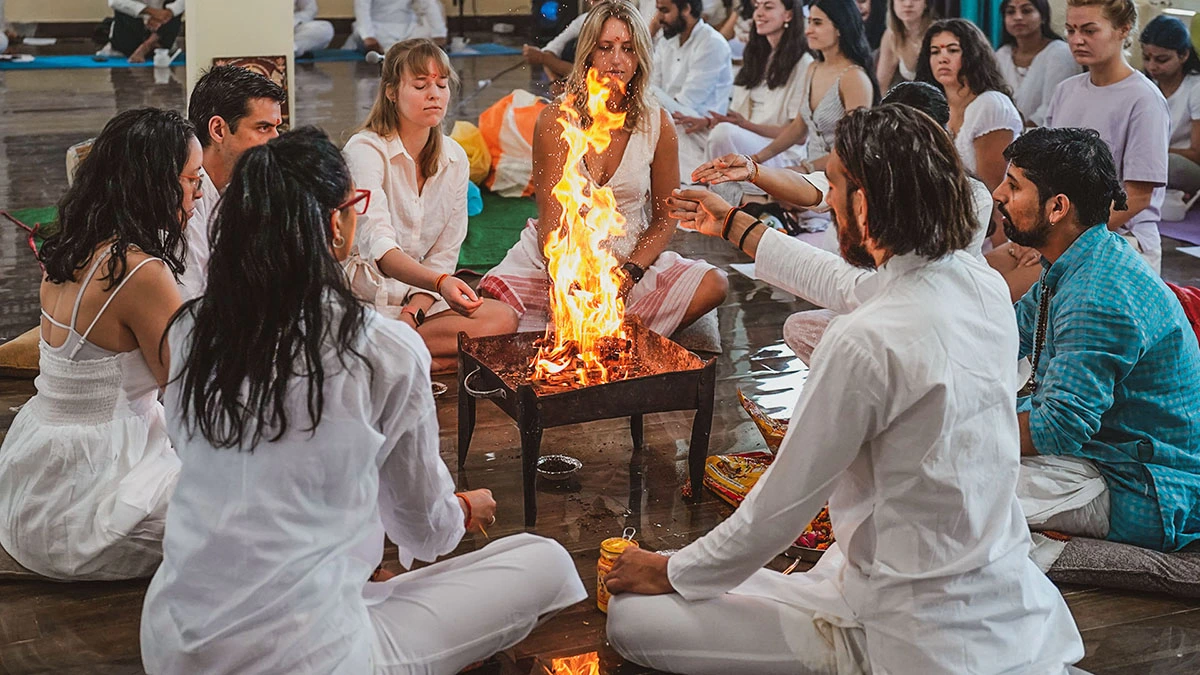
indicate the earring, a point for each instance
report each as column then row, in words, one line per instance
column 338, row 241
column 786, row 24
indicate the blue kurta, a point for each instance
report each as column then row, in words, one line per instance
column 1119, row 384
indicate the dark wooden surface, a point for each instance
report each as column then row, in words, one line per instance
column 93, row 627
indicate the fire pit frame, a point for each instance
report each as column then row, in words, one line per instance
column 687, row 389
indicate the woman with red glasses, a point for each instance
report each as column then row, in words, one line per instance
column 415, row 219
column 86, row 468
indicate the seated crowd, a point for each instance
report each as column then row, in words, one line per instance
column 991, row 207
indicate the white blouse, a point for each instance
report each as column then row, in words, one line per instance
column 776, row 107
column 1184, row 106
column 267, row 553
column 1033, row 87
column 429, row 225
column 990, row 111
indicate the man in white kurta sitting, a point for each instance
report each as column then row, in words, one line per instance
column 379, row 24
column 909, row 436
column 233, row 110
column 310, row 34
column 692, row 76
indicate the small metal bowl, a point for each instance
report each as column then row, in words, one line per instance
column 575, row 464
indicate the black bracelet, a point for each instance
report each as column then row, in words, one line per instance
column 729, row 222
column 747, row 232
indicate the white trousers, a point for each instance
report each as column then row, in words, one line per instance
column 312, row 35
column 1066, row 494
column 389, row 34
column 726, row 138
column 442, row 618
column 748, row 630
column 692, row 152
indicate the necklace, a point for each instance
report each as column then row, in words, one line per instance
column 1039, row 338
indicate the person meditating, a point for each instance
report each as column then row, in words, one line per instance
column 415, row 180
column 1110, row 420
column 908, row 434
column 304, row 435
column 86, row 468
column 663, row 289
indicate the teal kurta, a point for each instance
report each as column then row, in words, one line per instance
column 1119, row 384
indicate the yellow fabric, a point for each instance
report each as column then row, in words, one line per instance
column 478, row 155
column 19, row 356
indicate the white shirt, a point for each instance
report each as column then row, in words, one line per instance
column 264, row 563
column 430, row 226
column 912, row 439
column 779, row 106
column 305, row 11
column 1033, row 87
column 696, row 77
column 370, row 15
column 1184, row 106
column 990, row 111
column 196, row 237
column 571, row 32
column 134, row 8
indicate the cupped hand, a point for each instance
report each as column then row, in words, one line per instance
column 732, row 117
column 723, row 169
column 701, row 210
column 459, row 296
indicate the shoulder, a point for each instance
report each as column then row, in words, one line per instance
column 1072, row 84
column 387, row 341
column 1056, row 50
column 365, row 146
column 995, row 108
column 1143, row 90
column 856, row 77
column 365, row 139
column 711, row 37
column 454, row 153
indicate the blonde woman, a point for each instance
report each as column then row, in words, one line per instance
column 900, row 47
column 662, row 288
column 415, row 218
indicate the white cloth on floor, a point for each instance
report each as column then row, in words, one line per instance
column 1065, row 494
column 392, row 21
column 196, row 239
column 693, row 79
column 310, row 34
column 267, row 552
column 912, row 439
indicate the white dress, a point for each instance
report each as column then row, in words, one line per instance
column 86, row 468
column 762, row 105
column 660, row 299
column 990, row 111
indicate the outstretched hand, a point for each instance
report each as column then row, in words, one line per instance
column 641, row 572
column 723, row 169
column 701, row 210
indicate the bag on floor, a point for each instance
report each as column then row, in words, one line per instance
column 507, row 128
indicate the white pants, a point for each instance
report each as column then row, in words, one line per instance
column 3, row 38
column 389, row 34
column 313, row 35
column 1066, row 494
column 748, row 630
column 726, row 138
column 442, row 618
column 692, row 152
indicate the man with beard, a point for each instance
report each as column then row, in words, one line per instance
column 1110, row 419
column 692, row 76
column 909, row 435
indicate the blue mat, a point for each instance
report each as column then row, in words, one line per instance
column 319, row 56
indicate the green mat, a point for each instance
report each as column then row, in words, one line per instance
column 491, row 233
column 43, row 220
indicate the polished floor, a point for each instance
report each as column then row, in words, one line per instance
column 93, row 627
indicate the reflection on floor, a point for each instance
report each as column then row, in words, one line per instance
column 93, row 627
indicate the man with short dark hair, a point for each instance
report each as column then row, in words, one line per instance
column 1110, row 419
column 233, row 110
column 692, row 76
column 909, row 435
column 141, row 26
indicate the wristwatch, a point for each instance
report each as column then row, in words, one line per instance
column 634, row 271
column 418, row 315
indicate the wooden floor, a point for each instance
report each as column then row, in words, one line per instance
column 93, row 627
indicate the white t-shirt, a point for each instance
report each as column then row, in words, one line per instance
column 763, row 105
column 990, row 111
column 1184, row 106
column 1132, row 118
column 571, row 32
column 1033, row 87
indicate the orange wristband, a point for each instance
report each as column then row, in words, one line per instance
column 466, row 502
column 437, row 286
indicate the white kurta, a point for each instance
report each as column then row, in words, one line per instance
column 912, row 439
column 693, row 79
column 391, row 21
column 429, row 225
column 267, row 553
column 196, row 237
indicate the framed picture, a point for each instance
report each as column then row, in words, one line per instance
column 274, row 68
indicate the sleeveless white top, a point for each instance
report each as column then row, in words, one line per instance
column 630, row 183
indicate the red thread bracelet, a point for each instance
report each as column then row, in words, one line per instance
column 467, row 503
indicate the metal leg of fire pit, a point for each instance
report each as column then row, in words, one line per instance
column 635, row 430
column 531, row 442
column 466, row 414
column 702, row 428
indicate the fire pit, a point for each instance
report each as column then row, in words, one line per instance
column 665, row 377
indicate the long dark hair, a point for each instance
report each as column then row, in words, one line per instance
column 760, row 61
column 853, row 41
column 266, row 316
column 876, row 23
column 126, row 190
column 979, row 68
column 1043, row 8
column 1168, row 32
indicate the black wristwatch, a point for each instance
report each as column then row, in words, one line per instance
column 634, row 270
column 418, row 316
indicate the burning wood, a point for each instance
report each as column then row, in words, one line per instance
column 581, row 664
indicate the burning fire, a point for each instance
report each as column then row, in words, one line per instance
column 582, row 664
column 586, row 307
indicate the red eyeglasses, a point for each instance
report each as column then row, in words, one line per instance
column 361, row 199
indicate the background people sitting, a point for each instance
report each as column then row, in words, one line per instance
column 310, row 34
column 900, row 46
column 141, row 26
column 379, row 24
column 1032, row 57
column 1170, row 60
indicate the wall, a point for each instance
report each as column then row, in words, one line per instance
column 94, row 10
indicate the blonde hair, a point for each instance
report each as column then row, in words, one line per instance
column 1120, row 13
column 409, row 58
column 637, row 93
column 895, row 25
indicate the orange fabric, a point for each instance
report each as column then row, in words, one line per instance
column 490, row 121
column 499, row 124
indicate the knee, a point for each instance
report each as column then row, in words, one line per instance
column 720, row 140
column 631, row 626
column 714, row 288
column 498, row 318
column 554, row 564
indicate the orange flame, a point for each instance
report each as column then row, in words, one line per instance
column 582, row 664
column 585, row 300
